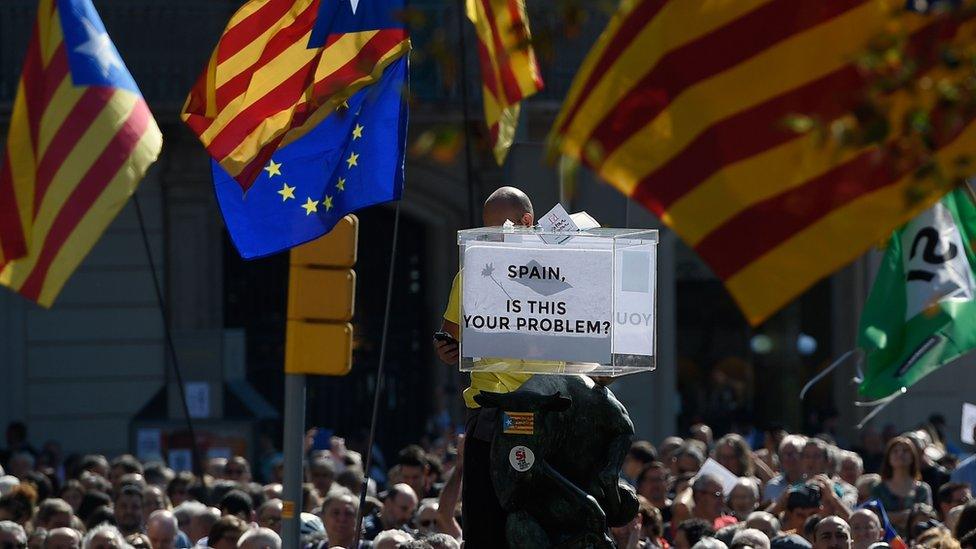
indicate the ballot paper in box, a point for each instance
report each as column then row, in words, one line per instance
column 536, row 300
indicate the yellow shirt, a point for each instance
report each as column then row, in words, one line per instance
column 480, row 381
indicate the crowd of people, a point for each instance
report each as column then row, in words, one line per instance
column 784, row 491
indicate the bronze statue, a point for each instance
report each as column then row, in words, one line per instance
column 556, row 455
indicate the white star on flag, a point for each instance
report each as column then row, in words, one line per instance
column 355, row 4
column 99, row 46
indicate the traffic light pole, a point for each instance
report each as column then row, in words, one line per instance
column 294, row 446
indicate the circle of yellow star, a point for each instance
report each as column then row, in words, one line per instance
column 310, row 206
column 327, row 202
column 357, row 132
column 341, row 184
column 286, row 192
column 353, row 160
column 273, row 168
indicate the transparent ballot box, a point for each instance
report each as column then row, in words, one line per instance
column 536, row 301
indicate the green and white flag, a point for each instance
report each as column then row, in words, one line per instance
column 921, row 313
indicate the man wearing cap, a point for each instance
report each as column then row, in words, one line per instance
column 800, row 503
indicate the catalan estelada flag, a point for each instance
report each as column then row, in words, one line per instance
column 509, row 72
column 681, row 106
column 81, row 138
column 281, row 67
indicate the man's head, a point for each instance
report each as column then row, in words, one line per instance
column 391, row 539
column 201, row 523
column 414, row 469
column 832, row 533
column 104, row 536
column 952, row 494
column 339, row 515
column 691, row 531
column 322, row 473
column 687, row 459
column 802, row 502
column 709, row 498
column 269, row 514
column 851, row 467
column 426, row 519
column 12, row 535
column 749, row 538
column 62, row 538
column 238, row 504
column 154, row 499
column 865, row 528
column 789, row 456
column 162, row 530
column 259, row 538
column 640, row 454
column 123, row 465
column 508, row 204
column 237, row 470
column 816, row 457
column 53, row 513
column 226, row 532
column 399, row 505
column 128, row 510
column 702, row 432
column 765, row 522
column 652, row 482
column 733, row 452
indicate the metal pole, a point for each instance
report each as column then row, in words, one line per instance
column 294, row 443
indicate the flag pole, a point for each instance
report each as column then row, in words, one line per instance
column 466, row 125
column 197, row 464
column 379, row 379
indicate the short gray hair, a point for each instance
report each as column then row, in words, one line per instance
column 104, row 528
column 750, row 537
column 392, row 535
column 442, row 541
column 264, row 536
column 14, row 529
column 709, row 542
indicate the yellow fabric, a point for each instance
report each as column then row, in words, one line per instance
column 480, row 381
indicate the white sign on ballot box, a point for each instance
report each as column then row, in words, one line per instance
column 531, row 302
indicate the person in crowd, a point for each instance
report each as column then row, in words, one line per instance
column 201, row 523
column 425, row 520
column 952, row 494
column 773, row 435
column 259, row 538
column 966, row 469
column 269, row 514
column 690, row 531
column 321, row 473
column 921, row 517
column 178, row 489
column 866, row 485
column 12, row 535
column 391, row 539
column 237, row 503
column 226, row 532
column 414, row 470
column 339, row 518
column 832, row 532
column 63, row 538
column 766, row 523
column 687, row 459
column 819, row 458
column 640, row 454
column 749, row 538
column 53, row 513
column 744, row 497
column 708, row 502
column 237, row 470
column 104, row 536
column 791, row 467
column 154, row 499
column 128, row 510
column 72, row 492
column 125, row 464
column 901, row 482
column 850, row 467
column 799, row 503
column 667, row 448
column 652, row 483
column 163, row 531
column 399, row 506
column 865, row 529
column 702, row 433
column 932, row 473
column 733, row 452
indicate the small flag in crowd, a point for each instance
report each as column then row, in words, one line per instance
column 281, row 67
column 81, row 138
column 680, row 106
column 352, row 159
column 921, row 313
column 891, row 536
column 509, row 71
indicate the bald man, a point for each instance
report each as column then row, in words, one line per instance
column 162, row 530
column 865, row 528
column 483, row 517
column 63, row 538
column 832, row 533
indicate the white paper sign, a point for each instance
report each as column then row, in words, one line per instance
column 149, row 444
column 724, row 476
column 537, row 303
column 968, row 422
column 198, row 399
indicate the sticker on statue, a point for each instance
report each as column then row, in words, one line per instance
column 521, row 458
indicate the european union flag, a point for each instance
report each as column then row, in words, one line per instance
column 351, row 160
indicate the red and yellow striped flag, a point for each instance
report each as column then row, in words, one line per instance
column 680, row 105
column 509, row 72
column 81, row 138
column 281, row 67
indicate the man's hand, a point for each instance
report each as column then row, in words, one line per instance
column 447, row 352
